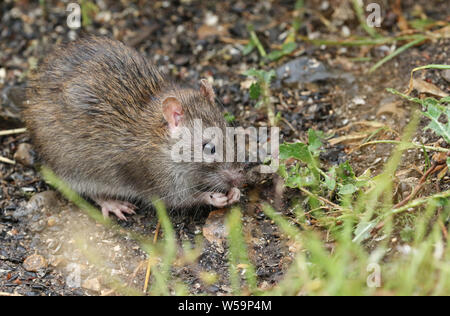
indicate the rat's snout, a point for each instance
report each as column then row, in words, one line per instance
column 234, row 177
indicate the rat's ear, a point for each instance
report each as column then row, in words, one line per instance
column 207, row 90
column 172, row 111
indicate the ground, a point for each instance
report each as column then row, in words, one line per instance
column 194, row 40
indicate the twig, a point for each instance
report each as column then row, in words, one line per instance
column 135, row 272
column 290, row 126
column 149, row 265
column 9, row 294
column 6, row 160
column 360, row 42
column 321, row 199
column 13, row 131
column 396, row 142
column 417, row 202
column 416, row 190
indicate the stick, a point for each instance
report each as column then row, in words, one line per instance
column 149, row 266
column 9, row 294
column 13, row 131
column 6, row 160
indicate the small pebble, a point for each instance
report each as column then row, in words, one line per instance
column 92, row 285
column 45, row 200
column 24, row 155
column 34, row 263
column 446, row 74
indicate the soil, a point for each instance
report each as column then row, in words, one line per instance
column 192, row 40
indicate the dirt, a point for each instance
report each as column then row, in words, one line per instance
column 195, row 40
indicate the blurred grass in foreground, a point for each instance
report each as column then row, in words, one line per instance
column 351, row 268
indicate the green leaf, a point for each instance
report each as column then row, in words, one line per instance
column 259, row 104
column 448, row 163
column 255, row 91
column 258, row 74
column 434, row 112
column 275, row 55
column 445, row 100
column 229, row 117
column 286, row 49
column 299, row 4
column 362, row 231
column 248, row 48
column 314, row 141
column 282, row 171
column 269, row 75
column 348, row 189
column 298, row 151
column 330, row 179
column 346, row 173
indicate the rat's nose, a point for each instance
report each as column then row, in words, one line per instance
column 234, row 177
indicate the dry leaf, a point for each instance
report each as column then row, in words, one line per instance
column 205, row 31
column 393, row 108
column 425, row 87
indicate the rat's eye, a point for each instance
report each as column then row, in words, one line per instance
column 209, row 149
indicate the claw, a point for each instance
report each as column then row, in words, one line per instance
column 221, row 200
column 215, row 199
column 118, row 208
column 234, row 195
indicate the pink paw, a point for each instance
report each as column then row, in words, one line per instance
column 118, row 208
column 234, row 196
column 221, row 200
column 216, row 199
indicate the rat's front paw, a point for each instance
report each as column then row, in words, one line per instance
column 118, row 208
column 215, row 199
column 234, row 195
column 221, row 200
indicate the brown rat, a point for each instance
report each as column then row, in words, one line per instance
column 101, row 117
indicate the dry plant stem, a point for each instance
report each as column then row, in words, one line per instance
column 6, row 160
column 268, row 104
column 415, row 203
column 290, row 126
column 435, row 168
column 396, row 142
column 321, row 199
column 13, row 131
column 9, row 294
column 108, row 293
column 135, row 272
column 149, row 266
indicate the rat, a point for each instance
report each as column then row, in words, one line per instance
column 102, row 117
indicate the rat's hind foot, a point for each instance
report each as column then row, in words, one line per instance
column 116, row 207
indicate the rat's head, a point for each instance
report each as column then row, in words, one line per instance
column 197, row 140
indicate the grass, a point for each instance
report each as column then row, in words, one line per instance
column 347, row 253
column 361, row 242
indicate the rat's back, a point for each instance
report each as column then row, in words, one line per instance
column 101, row 117
column 86, row 104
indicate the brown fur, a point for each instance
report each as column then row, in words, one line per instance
column 95, row 115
